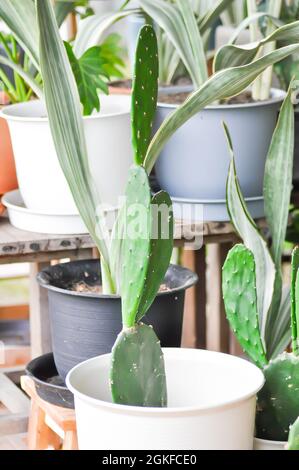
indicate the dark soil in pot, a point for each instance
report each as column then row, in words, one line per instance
column 86, row 324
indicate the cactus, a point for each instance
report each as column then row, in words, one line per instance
column 293, row 442
column 145, row 91
column 137, row 369
column 239, row 293
column 278, row 401
column 138, row 373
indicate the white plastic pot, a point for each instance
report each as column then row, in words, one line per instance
column 211, row 398
column 42, row 183
column 264, row 444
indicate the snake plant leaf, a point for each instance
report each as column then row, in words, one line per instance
column 277, row 195
column 293, row 440
column 232, row 55
column 90, row 77
column 20, row 17
column 224, row 84
column 278, row 177
column 64, row 113
column 253, row 240
column 282, row 333
column 145, row 91
column 62, row 9
column 25, row 75
column 91, row 29
column 211, row 16
column 174, row 20
column 252, row 19
column 295, row 300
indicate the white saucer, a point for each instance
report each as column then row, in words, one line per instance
column 32, row 221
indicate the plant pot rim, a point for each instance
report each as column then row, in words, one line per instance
column 43, row 278
column 269, row 441
column 213, row 201
column 172, row 411
column 17, row 112
column 278, row 96
column 31, row 366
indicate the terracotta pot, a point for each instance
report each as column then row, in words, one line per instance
column 8, row 177
column 120, row 87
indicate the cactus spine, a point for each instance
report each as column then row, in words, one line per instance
column 137, row 375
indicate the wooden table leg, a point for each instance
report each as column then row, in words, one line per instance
column 39, row 314
column 70, row 441
column 194, row 331
column 218, row 332
column 40, row 436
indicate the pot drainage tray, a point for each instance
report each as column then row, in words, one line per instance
column 48, row 384
column 35, row 221
column 196, row 210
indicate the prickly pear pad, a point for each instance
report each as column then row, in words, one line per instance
column 278, row 401
column 137, row 374
column 240, row 299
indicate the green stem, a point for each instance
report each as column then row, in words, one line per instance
column 108, row 284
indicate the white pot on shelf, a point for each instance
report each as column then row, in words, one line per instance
column 211, row 405
column 41, row 181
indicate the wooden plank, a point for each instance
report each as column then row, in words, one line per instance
column 85, row 253
column 218, row 332
column 15, row 356
column 12, row 397
column 40, row 331
column 13, row 423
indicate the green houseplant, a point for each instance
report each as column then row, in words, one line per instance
column 139, row 263
column 99, row 330
column 31, row 135
column 257, row 307
column 189, row 150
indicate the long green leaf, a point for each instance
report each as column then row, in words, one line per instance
column 92, row 28
column 20, row 17
column 62, row 9
column 64, row 112
column 252, row 19
column 282, row 333
column 195, row 40
column 295, row 300
column 222, row 85
column 253, row 240
column 278, row 177
column 26, row 76
column 232, row 55
column 169, row 17
column 277, row 195
column 211, row 16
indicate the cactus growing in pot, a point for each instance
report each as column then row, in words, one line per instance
column 260, row 313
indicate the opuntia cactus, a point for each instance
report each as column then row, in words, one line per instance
column 239, row 293
column 137, row 370
column 145, row 91
column 138, row 373
column 278, row 401
column 293, row 441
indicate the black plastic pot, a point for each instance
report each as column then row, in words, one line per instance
column 48, row 384
column 85, row 325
